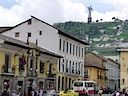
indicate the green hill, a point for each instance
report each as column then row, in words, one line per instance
column 99, row 33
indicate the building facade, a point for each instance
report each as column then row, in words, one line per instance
column 24, row 67
column 112, row 74
column 94, row 63
column 123, row 67
column 71, row 66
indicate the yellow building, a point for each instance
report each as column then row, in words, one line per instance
column 24, row 67
column 123, row 67
column 94, row 69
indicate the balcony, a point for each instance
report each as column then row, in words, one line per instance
column 7, row 70
column 72, row 72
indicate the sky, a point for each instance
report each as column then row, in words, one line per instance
column 13, row 12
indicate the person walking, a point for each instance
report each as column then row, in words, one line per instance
column 100, row 92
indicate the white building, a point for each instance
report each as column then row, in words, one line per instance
column 71, row 67
column 112, row 74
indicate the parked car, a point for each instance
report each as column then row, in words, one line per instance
column 62, row 93
column 69, row 93
column 72, row 93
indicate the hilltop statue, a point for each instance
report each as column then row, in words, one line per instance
column 89, row 15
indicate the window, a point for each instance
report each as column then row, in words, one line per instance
column 70, row 48
column 82, row 52
column 78, row 84
column 21, row 65
column 76, row 50
column 60, row 45
column 79, row 51
column 63, row 46
column 58, row 83
column 17, row 34
column 66, row 65
column 41, row 67
column 6, row 63
column 31, row 63
column 50, row 68
column 76, row 67
column 70, row 64
column 67, row 47
column 40, row 32
column 63, row 65
column 59, row 65
column 29, row 34
column 86, row 73
column 29, row 21
column 62, row 83
column 73, row 49
column 89, row 84
column 73, row 67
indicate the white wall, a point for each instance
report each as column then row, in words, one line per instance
column 48, row 39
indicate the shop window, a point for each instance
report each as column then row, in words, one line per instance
column 20, row 83
column 41, row 85
column 6, row 84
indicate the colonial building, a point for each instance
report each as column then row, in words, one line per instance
column 123, row 67
column 71, row 66
column 108, row 67
column 95, row 70
column 24, row 67
column 112, row 74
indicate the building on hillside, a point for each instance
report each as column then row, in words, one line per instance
column 123, row 67
column 71, row 66
column 112, row 74
column 95, row 66
column 24, row 67
column 94, row 72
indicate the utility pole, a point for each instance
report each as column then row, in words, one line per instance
column 89, row 15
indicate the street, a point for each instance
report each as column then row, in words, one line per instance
column 103, row 95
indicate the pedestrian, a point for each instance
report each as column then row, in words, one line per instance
column 40, row 92
column 14, row 93
column 117, row 93
column 100, row 92
column 5, row 93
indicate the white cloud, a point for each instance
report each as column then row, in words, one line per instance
column 53, row 11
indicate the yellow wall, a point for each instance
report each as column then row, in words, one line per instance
column 123, row 69
column 93, row 74
column 2, row 57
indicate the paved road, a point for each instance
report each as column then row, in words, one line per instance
column 104, row 95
